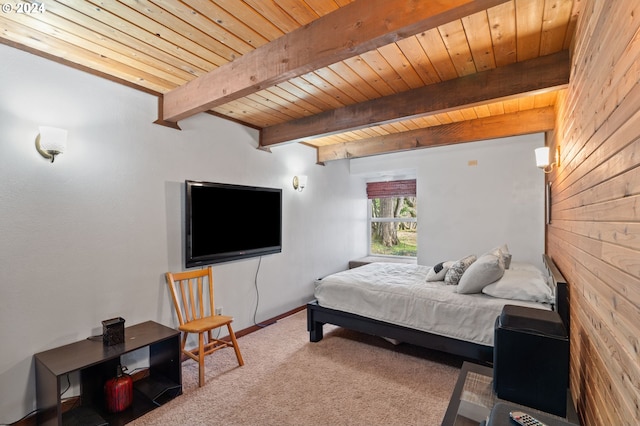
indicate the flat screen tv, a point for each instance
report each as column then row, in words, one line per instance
column 225, row 222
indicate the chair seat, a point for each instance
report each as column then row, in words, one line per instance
column 205, row 324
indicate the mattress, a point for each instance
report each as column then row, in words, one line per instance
column 399, row 294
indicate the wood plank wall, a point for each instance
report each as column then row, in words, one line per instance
column 594, row 235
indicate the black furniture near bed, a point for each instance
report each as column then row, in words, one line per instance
column 531, row 359
column 318, row 315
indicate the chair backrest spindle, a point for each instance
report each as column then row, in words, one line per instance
column 211, row 304
column 201, row 297
column 192, row 302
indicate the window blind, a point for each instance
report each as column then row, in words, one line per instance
column 393, row 188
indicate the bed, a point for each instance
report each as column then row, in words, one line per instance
column 422, row 313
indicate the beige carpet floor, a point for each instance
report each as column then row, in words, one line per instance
column 346, row 379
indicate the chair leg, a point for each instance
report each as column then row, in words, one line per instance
column 183, row 344
column 201, row 359
column 184, row 340
column 235, row 345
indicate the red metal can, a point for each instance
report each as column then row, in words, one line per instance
column 118, row 392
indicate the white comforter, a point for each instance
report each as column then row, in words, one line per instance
column 399, row 294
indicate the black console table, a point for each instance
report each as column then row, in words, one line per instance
column 96, row 364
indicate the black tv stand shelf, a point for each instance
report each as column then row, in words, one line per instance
column 97, row 363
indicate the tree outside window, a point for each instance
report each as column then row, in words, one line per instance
column 393, row 218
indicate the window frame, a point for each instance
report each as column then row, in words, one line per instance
column 371, row 220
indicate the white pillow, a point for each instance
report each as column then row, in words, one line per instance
column 453, row 275
column 484, row 271
column 507, row 260
column 438, row 271
column 527, row 284
column 525, row 266
column 502, row 251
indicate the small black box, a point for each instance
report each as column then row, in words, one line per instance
column 531, row 359
column 113, row 331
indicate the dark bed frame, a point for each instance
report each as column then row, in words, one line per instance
column 317, row 316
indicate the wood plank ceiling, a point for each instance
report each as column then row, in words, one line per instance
column 350, row 78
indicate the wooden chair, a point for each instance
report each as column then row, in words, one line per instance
column 192, row 294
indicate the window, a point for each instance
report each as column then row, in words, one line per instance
column 393, row 218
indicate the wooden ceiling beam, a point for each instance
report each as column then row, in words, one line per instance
column 545, row 73
column 498, row 126
column 357, row 28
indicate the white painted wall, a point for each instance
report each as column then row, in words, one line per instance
column 90, row 236
column 469, row 209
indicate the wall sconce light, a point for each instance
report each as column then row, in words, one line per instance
column 299, row 182
column 51, row 141
column 542, row 159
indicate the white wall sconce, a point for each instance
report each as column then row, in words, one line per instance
column 51, row 141
column 542, row 159
column 299, row 182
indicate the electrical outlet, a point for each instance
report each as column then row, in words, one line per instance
column 219, row 310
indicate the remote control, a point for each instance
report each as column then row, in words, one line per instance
column 524, row 419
